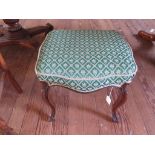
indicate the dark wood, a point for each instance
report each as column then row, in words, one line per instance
column 80, row 113
column 146, row 35
column 40, row 29
column 45, row 90
column 15, row 31
column 121, row 99
column 9, row 75
column 15, row 34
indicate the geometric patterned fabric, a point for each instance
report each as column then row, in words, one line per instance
column 85, row 60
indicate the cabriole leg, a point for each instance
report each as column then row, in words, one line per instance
column 121, row 99
column 45, row 89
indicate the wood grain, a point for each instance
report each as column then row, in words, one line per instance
column 79, row 113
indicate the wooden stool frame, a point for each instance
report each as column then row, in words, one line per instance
column 121, row 99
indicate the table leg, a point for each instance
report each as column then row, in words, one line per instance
column 4, row 67
column 121, row 99
column 40, row 29
column 45, row 90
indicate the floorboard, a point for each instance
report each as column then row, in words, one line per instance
column 79, row 113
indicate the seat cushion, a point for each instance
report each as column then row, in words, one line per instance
column 85, row 60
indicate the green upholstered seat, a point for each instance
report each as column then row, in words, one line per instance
column 85, row 60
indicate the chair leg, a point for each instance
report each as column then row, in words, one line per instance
column 4, row 67
column 45, row 89
column 121, row 99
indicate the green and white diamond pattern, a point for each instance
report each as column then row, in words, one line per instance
column 85, row 60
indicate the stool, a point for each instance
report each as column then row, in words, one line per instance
column 85, row 61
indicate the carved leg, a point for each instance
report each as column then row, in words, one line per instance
column 4, row 67
column 119, row 101
column 45, row 89
column 146, row 36
column 40, row 29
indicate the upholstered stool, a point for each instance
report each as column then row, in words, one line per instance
column 85, row 61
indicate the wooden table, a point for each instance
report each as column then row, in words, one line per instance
column 14, row 33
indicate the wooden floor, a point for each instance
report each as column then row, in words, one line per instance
column 79, row 113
